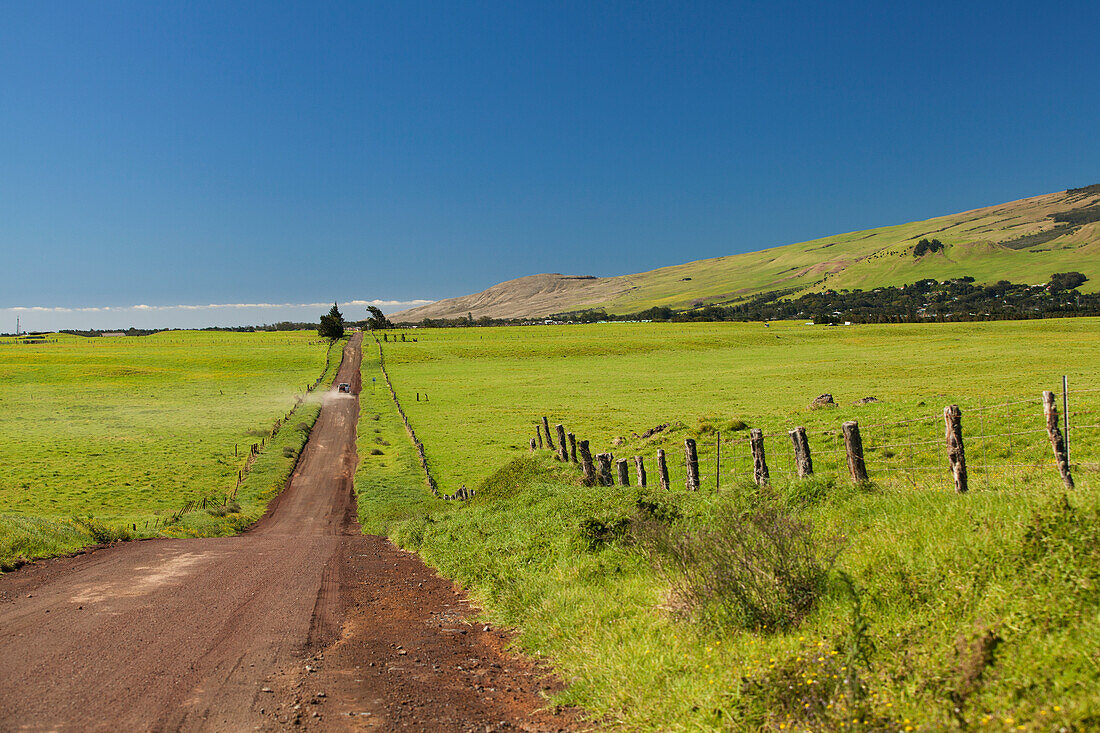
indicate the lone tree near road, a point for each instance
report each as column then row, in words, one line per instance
column 377, row 320
column 332, row 324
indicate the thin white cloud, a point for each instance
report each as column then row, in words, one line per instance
column 142, row 315
column 211, row 306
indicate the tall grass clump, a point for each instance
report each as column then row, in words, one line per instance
column 759, row 569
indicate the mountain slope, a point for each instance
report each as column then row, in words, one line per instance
column 1021, row 241
column 534, row 295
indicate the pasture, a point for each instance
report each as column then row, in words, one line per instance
column 126, row 430
column 940, row 611
column 486, row 388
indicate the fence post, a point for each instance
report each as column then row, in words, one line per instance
column 639, row 468
column 604, row 459
column 546, row 427
column 1057, row 442
column 532, row 445
column 956, row 454
column 662, row 469
column 563, row 449
column 759, row 464
column 624, row 471
column 853, row 446
column 586, row 464
column 1065, row 412
column 539, row 434
column 718, row 461
column 691, row 460
column 802, row 452
column 572, row 448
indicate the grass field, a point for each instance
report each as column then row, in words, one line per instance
column 487, row 387
column 942, row 612
column 126, row 430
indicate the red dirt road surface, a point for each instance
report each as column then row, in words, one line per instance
column 300, row 622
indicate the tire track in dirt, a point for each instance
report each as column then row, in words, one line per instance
column 217, row 634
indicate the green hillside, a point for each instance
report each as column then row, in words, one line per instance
column 1022, row 241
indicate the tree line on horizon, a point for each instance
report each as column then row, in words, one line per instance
column 960, row 299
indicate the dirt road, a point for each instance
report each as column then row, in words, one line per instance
column 300, row 621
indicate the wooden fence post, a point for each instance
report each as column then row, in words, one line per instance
column 639, row 468
column 539, row 434
column 532, row 445
column 956, row 455
column 802, row 452
column 546, row 427
column 1057, row 442
column 572, row 448
column 691, row 461
column 662, row 470
column 853, row 446
column 563, row 449
column 624, row 471
column 604, row 459
column 759, row 464
column 718, row 461
column 586, row 464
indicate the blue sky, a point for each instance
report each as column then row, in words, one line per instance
column 204, row 153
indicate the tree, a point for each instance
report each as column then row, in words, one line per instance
column 332, row 324
column 1066, row 280
column 377, row 319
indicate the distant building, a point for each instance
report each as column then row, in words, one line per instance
column 113, row 333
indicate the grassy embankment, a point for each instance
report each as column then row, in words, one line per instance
column 978, row 611
column 102, row 435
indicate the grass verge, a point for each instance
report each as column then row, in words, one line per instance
column 943, row 612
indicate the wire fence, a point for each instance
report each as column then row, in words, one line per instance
column 1005, row 443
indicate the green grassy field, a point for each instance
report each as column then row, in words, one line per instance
column 486, row 388
column 979, row 611
column 126, row 430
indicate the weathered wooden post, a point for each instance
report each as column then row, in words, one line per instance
column 604, row 459
column 624, row 471
column 691, row 460
column 586, row 464
column 853, row 446
column 759, row 464
column 802, row 459
column 539, row 434
column 563, row 449
column 956, row 455
column 639, row 468
column 1057, row 441
column 532, row 445
column 546, row 427
column 662, row 470
column 718, row 461
column 572, row 448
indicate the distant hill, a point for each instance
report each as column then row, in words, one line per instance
column 1022, row 241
